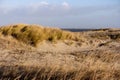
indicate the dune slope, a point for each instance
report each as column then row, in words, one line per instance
column 34, row 52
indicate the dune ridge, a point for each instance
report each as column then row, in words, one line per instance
column 33, row 34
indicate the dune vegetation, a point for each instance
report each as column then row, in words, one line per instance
column 62, row 55
column 33, row 34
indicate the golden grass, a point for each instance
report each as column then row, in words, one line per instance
column 50, row 74
column 34, row 34
column 94, row 66
column 23, row 62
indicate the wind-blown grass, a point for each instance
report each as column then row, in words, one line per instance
column 34, row 34
column 101, row 66
column 23, row 62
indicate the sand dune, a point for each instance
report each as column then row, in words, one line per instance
column 91, row 55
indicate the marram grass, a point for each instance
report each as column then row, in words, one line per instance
column 34, row 34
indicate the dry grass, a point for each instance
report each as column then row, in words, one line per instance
column 50, row 74
column 20, row 61
column 34, row 34
column 106, row 34
column 93, row 66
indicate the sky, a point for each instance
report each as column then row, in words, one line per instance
column 62, row 13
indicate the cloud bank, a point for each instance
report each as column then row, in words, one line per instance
column 62, row 14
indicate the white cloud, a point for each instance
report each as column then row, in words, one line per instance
column 44, row 3
column 66, row 5
column 38, row 5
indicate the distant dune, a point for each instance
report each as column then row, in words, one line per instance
column 34, row 52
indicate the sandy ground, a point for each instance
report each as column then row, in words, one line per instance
column 95, row 52
column 59, row 53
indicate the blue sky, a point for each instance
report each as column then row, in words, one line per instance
column 62, row 13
